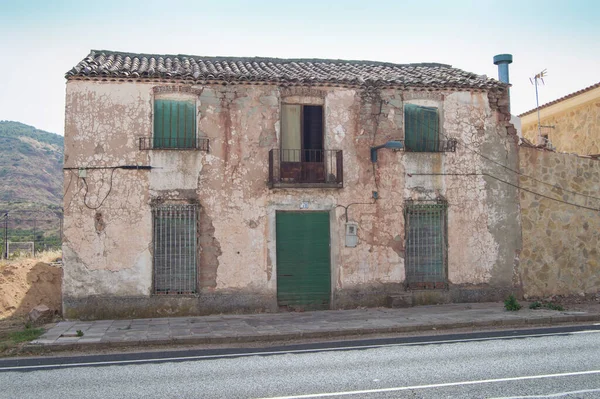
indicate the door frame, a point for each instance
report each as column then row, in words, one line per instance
column 334, row 250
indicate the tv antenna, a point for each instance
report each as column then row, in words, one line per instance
column 536, row 82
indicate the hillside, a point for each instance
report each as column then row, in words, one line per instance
column 31, row 162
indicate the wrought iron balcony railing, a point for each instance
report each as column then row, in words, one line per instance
column 418, row 145
column 306, row 168
column 182, row 143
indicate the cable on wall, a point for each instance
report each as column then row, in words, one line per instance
column 112, row 168
column 354, row 203
column 516, row 171
column 505, row 182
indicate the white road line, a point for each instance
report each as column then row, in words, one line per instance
column 429, row 386
column 551, row 395
column 267, row 353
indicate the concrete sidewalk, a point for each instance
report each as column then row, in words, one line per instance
column 225, row 329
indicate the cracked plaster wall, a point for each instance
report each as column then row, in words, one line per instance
column 230, row 184
column 105, row 250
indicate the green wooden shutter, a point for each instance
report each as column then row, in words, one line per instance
column 421, row 128
column 303, row 259
column 160, row 130
column 174, row 124
column 189, row 124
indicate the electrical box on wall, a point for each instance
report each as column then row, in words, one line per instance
column 351, row 234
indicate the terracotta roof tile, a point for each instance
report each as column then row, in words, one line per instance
column 111, row 64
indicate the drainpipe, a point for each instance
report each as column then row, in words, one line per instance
column 502, row 60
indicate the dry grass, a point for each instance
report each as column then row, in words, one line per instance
column 44, row 256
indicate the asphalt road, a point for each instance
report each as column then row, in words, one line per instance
column 546, row 363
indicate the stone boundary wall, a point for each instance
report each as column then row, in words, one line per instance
column 561, row 242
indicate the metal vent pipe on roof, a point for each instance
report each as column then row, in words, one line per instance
column 502, row 60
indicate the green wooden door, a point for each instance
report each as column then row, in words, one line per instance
column 303, row 260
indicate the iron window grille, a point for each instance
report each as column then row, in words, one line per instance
column 175, row 249
column 426, row 245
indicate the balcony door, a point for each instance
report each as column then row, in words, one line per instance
column 302, row 155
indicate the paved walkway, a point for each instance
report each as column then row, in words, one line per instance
column 220, row 329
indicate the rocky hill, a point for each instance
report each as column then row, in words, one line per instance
column 31, row 162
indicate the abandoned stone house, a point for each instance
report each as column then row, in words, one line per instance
column 196, row 185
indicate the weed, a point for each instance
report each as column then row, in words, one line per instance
column 79, row 333
column 554, row 306
column 549, row 305
column 511, row 303
column 27, row 334
column 535, row 305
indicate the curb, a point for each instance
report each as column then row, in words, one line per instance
column 353, row 332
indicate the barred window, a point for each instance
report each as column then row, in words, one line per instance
column 174, row 124
column 175, row 248
column 421, row 128
column 426, row 245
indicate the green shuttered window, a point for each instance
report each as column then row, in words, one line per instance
column 422, row 126
column 174, row 124
column 426, row 245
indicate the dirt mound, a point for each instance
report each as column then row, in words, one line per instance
column 26, row 283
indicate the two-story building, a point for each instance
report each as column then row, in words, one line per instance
column 196, row 185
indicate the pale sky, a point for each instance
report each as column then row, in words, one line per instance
column 41, row 40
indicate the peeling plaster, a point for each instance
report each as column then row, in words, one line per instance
column 237, row 218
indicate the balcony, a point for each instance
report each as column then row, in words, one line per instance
column 419, row 145
column 180, row 143
column 306, row 169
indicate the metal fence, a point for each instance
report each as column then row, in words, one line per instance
column 42, row 229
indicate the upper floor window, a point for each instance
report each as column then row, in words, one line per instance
column 421, row 128
column 301, row 133
column 174, row 123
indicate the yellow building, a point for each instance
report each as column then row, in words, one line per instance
column 568, row 124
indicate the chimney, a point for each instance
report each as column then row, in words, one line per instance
column 502, row 60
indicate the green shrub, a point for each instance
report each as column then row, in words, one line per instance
column 549, row 305
column 511, row 304
column 535, row 305
column 554, row 306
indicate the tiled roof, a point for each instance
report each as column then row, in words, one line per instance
column 562, row 99
column 118, row 65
